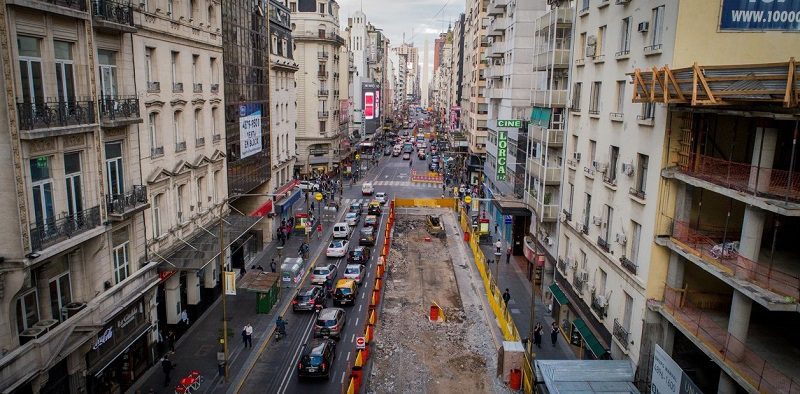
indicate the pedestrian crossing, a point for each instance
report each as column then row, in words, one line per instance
column 421, row 185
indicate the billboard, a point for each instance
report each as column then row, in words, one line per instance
column 757, row 15
column 249, row 130
column 371, row 92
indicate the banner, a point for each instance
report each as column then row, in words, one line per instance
column 502, row 154
column 230, row 283
column 371, row 103
column 249, row 131
column 783, row 15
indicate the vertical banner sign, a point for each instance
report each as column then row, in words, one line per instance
column 371, row 101
column 249, row 131
column 502, row 154
column 757, row 15
column 230, row 283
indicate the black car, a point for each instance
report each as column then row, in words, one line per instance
column 387, row 151
column 374, row 210
column 433, row 166
column 317, row 358
column 308, row 298
column 359, row 255
column 366, row 236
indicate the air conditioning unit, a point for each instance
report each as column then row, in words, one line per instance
column 621, row 239
column 576, row 156
column 597, row 220
column 643, row 26
column 71, row 309
column 31, row 334
column 627, row 169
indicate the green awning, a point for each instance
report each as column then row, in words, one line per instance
column 558, row 294
column 594, row 345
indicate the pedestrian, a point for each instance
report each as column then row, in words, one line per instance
column 497, row 246
column 319, row 230
column 171, row 340
column 508, row 255
column 312, row 206
column 272, row 265
column 291, row 221
column 495, row 230
column 260, row 268
column 247, row 335
column 506, row 296
column 554, row 333
column 167, row 366
column 537, row 335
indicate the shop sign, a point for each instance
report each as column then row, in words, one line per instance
column 249, row 131
column 122, row 326
column 103, row 338
column 759, row 15
column 502, row 154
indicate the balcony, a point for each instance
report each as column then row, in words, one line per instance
column 114, row 16
column 553, row 138
column 323, row 92
column 548, row 175
column 495, row 93
column 322, row 75
column 336, row 93
column 55, row 230
column 198, row 142
column 599, row 306
column 549, row 98
column 48, row 6
column 322, row 55
column 177, row 87
column 497, row 27
column 216, row 138
column 562, row 265
column 554, row 58
column 621, row 334
column 635, row 192
column 323, row 114
column 197, row 88
column 603, row 244
column 122, row 206
column 579, row 283
column 53, row 113
column 629, row 266
column 180, row 146
column 546, row 212
column 117, row 111
column 153, row 87
column 319, row 35
column 157, row 151
column 214, row 88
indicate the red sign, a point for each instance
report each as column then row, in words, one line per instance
column 360, row 343
column 164, row 275
column 263, row 210
column 369, row 105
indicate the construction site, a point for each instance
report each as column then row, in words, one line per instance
column 433, row 327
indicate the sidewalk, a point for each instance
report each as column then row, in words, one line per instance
column 197, row 348
column 513, row 276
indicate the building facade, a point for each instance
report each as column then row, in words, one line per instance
column 475, row 105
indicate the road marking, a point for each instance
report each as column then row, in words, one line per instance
column 353, row 338
column 289, row 371
column 357, row 320
column 362, row 295
column 348, row 357
column 359, row 307
column 342, row 382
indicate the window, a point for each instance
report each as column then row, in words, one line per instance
column 195, row 68
column 608, row 216
column 179, row 196
column 214, row 121
column 636, row 236
column 641, row 176
column 274, row 44
column 648, row 111
column 211, row 15
column 114, row 170
column 576, row 96
column 149, row 58
column 611, row 173
column 594, row 102
column 201, row 192
column 292, row 7
column 108, row 72
column 170, row 8
column 321, row 8
column 192, row 10
column 156, row 208
column 625, row 36
column 214, row 73
column 65, row 77
column 620, row 97
column 587, row 211
column 592, row 150
column 657, row 29
column 601, row 41
column 152, row 124
column 60, row 294
column 571, row 198
column 72, row 174
column 217, row 184
column 175, row 70
column 120, row 242
column 176, row 126
column 42, row 189
column 198, row 132
column 30, row 70
column 627, row 312
column 601, row 287
column 27, row 310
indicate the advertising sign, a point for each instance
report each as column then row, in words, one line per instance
column 230, row 283
column 249, row 131
column 502, row 154
column 783, row 15
column 668, row 377
column 371, row 102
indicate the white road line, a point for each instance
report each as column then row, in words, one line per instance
column 359, row 307
column 285, row 381
column 357, row 321
column 362, row 295
column 342, row 381
column 348, row 357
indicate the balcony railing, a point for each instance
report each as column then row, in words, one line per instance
column 603, row 244
column 79, row 5
column 52, row 231
column 323, row 114
column 322, row 55
column 119, row 204
column 200, row 141
column 726, row 348
column 216, row 138
column 177, row 87
column 551, row 97
column 548, row 175
column 568, row 215
column 599, row 306
column 111, row 11
column 553, row 137
column 745, row 178
column 322, row 74
column 180, row 146
column 562, row 265
column 323, row 92
column 157, row 151
column 214, row 88
column 630, row 266
column 640, row 194
column 153, row 87
column 621, row 333
column 719, row 249
column 55, row 113
column 579, row 283
column 318, row 35
column 119, row 107
column 197, row 88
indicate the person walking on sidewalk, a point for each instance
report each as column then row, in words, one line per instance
column 319, row 231
column 247, row 335
column 554, row 333
column 537, row 335
column 508, row 255
column 272, row 265
column 497, row 246
column 167, row 366
column 506, row 297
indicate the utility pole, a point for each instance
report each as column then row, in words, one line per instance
column 224, row 303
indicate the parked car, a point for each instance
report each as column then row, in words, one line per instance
column 355, row 272
column 366, row 236
column 330, row 323
column 308, row 185
column 337, row 248
column 380, row 197
column 358, row 255
column 370, row 220
column 323, row 273
column 355, row 208
column 346, row 292
column 352, row 218
column 309, row 298
column 317, row 358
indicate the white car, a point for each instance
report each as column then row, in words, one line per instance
column 308, row 185
column 322, row 273
column 380, row 197
column 355, row 272
column 367, row 189
column 337, row 248
column 352, row 218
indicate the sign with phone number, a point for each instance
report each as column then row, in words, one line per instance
column 249, row 132
column 783, row 15
column 668, row 377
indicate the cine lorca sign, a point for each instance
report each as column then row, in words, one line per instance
column 502, row 146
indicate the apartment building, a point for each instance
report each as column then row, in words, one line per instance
column 315, row 29
column 409, row 55
column 546, row 130
column 509, row 72
column 454, row 110
column 441, row 89
column 475, row 106
column 75, row 283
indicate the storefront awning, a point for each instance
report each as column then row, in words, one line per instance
column 558, row 294
column 591, row 342
column 258, row 281
column 195, row 253
column 512, row 207
column 288, row 201
column 263, row 210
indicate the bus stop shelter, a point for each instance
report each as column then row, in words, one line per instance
column 265, row 285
